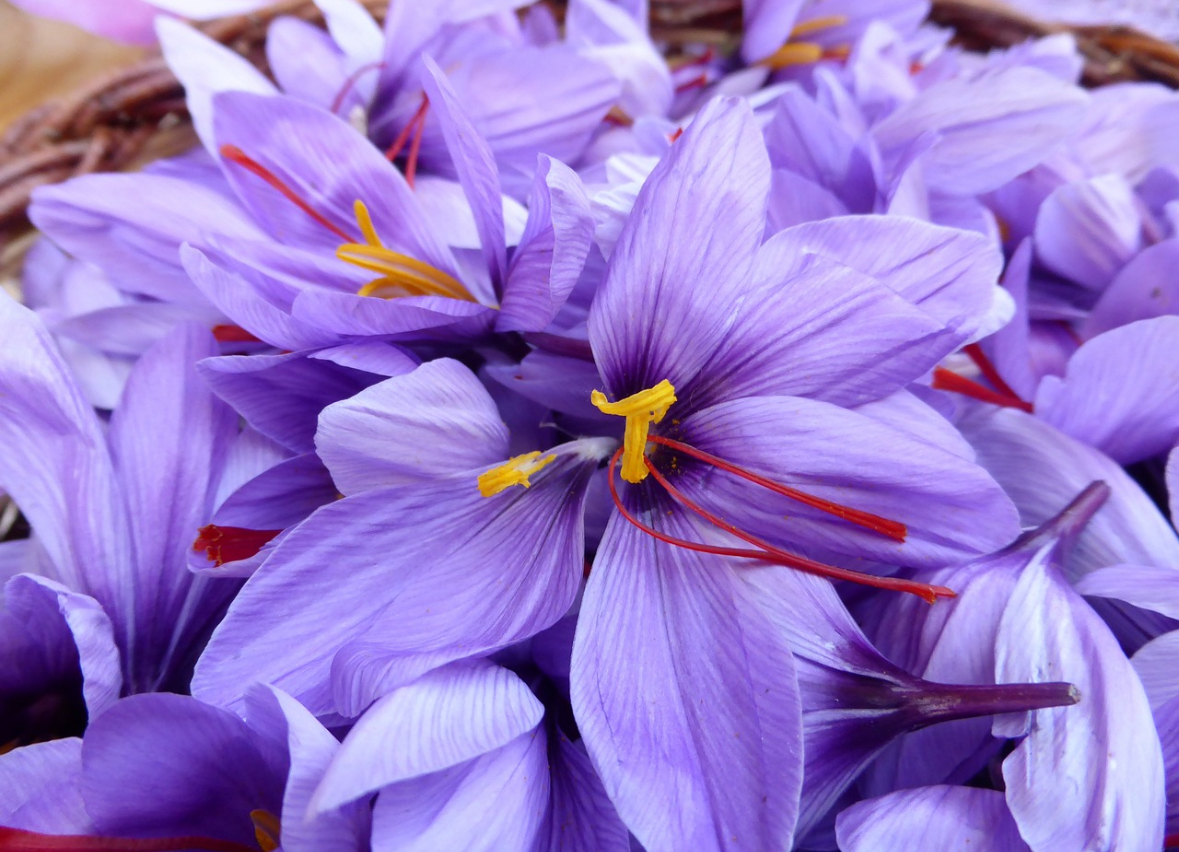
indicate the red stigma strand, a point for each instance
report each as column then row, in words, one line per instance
column 697, row 82
column 17, row 840
column 229, row 544
column 980, row 359
column 892, row 529
column 236, row 155
column 353, row 78
column 233, row 334
column 948, row 380
column 1170, row 840
column 416, row 126
column 765, row 552
column 672, row 137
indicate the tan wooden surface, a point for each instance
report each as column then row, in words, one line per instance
column 42, row 59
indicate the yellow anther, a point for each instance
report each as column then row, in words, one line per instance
column 267, row 829
column 640, row 410
column 515, row 471
column 793, row 53
column 814, row 25
column 401, row 275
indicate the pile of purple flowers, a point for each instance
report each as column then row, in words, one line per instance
column 504, row 433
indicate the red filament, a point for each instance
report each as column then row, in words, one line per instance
column 980, row 359
column 233, row 334
column 764, row 552
column 893, row 529
column 17, row 840
column 236, row 155
column 229, row 544
column 353, row 78
column 416, row 127
column 948, row 380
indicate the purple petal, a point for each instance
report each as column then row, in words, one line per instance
column 40, row 788
column 845, row 457
column 436, row 573
column 767, row 26
column 475, row 165
column 445, row 718
column 1147, row 587
column 696, row 223
column 1029, row 110
column 410, row 318
column 1145, row 287
column 552, row 252
column 206, row 67
column 494, row 802
column 1097, row 403
column 1090, row 775
column 1087, row 231
column 950, row 819
column 581, row 815
column 719, row 766
column 170, row 765
column 306, row 62
column 376, row 438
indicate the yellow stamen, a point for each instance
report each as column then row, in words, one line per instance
column 640, row 410
column 401, row 274
column 793, row 53
column 267, row 830
column 816, row 24
column 515, row 471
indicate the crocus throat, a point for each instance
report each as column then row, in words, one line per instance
column 640, row 410
column 229, row 544
column 401, row 275
column 795, row 52
column 515, row 471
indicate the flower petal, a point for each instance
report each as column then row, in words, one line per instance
column 685, row 697
column 40, row 788
column 943, row 818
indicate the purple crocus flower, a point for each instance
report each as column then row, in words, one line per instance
column 166, row 772
column 114, row 511
column 701, row 334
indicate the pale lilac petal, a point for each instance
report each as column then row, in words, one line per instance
column 552, row 252
column 1172, row 477
column 1095, row 402
column 1155, row 665
column 40, row 788
column 443, row 719
column 1145, row 287
column 475, row 165
column 1147, row 587
column 695, row 224
column 206, row 67
column 1028, row 109
column 1043, row 470
column 949, row 273
column 436, row 572
column 434, row 421
column 581, row 816
column 719, row 765
column 169, row 439
column 354, row 30
column 767, row 26
column 306, row 62
column 1090, row 775
column 131, row 329
column 951, row 507
column 1087, row 231
column 492, row 803
column 605, row 32
column 410, row 318
column 946, row 819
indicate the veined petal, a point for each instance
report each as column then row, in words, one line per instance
column 581, row 816
column 943, row 818
column 436, row 572
column 40, row 788
column 494, row 802
column 431, row 422
column 445, row 718
column 685, row 697
column 1145, row 586
column 552, row 251
column 691, row 237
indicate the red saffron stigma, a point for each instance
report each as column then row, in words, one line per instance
column 975, row 353
column 765, row 551
column 417, row 127
column 229, row 544
column 671, row 137
column 17, row 840
column 948, row 380
column 352, row 80
column 697, row 82
column 233, row 334
column 236, row 155
column 893, row 529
